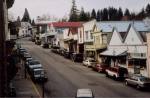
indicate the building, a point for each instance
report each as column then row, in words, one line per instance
column 127, row 47
column 25, row 29
column 148, row 54
column 88, row 38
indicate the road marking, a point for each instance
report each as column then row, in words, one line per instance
column 35, row 88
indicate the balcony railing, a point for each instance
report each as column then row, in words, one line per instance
column 137, row 55
column 95, row 47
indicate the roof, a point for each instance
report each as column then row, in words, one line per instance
column 114, row 52
column 121, row 26
column 66, row 24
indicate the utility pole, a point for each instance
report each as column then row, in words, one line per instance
column 3, row 69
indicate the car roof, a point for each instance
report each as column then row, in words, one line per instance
column 84, row 93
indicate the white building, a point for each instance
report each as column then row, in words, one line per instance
column 25, row 29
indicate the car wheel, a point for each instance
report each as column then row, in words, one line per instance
column 99, row 70
column 114, row 77
column 138, row 87
column 126, row 83
column 107, row 74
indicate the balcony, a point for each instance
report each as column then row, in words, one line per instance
column 95, row 47
column 137, row 55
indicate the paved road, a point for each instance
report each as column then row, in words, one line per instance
column 65, row 77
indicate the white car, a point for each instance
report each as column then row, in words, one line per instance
column 89, row 62
column 84, row 93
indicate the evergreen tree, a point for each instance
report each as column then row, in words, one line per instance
column 148, row 10
column 73, row 12
column 105, row 14
column 133, row 16
column 83, row 15
column 127, row 12
column 18, row 21
column 33, row 22
column 10, row 3
column 120, row 14
column 93, row 14
column 26, row 17
column 141, row 15
column 98, row 18
column 88, row 16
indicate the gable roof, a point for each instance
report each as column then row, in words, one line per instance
column 66, row 24
column 121, row 26
column 116, row 38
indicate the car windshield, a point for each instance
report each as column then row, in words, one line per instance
column 39, row 72
column 34, row 62
column 92, row 60
column 144, row 79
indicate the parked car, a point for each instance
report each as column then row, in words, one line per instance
column 67, row 54
column 117, row 72
column 84, row 93
column 26, row 55
column 89, row 62
column 45, row 45
column 27, row 61
column 33, row 64
column 22, row 51
column 138, row 81
column 101, row 67
column 39, row 75
column 62, row 50
column 77, row 57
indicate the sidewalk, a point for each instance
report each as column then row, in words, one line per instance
column 24, row 87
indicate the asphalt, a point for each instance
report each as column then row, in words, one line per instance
column 65, row 77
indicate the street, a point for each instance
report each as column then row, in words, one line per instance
column 65, row 77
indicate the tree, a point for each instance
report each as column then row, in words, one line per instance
column 10, row 3
column 105, row 14
column 33, row 22
column 83, row 16
column 148, row 10
column 26, row 17
column 93, row 14
column 127, row 12
column 120, row 14
column 88, row 16
column 73, row 12
column 98, row 18
column 141, row 15
column 18, row 21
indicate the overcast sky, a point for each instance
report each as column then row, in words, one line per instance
column 60, row 8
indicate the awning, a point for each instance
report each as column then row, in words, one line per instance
column 114, row 52
column 68, row 39
column 48, row 34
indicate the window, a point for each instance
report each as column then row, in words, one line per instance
column 91, row 34
column 104, row 39
column 80, row 34
column 86, row 35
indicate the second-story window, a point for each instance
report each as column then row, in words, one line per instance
column 104, row 39
column 91, row 34
column 86, row 35
column 80, row 34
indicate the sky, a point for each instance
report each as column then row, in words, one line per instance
column 61, row 8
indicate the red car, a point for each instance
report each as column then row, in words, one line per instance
column 101, row 67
